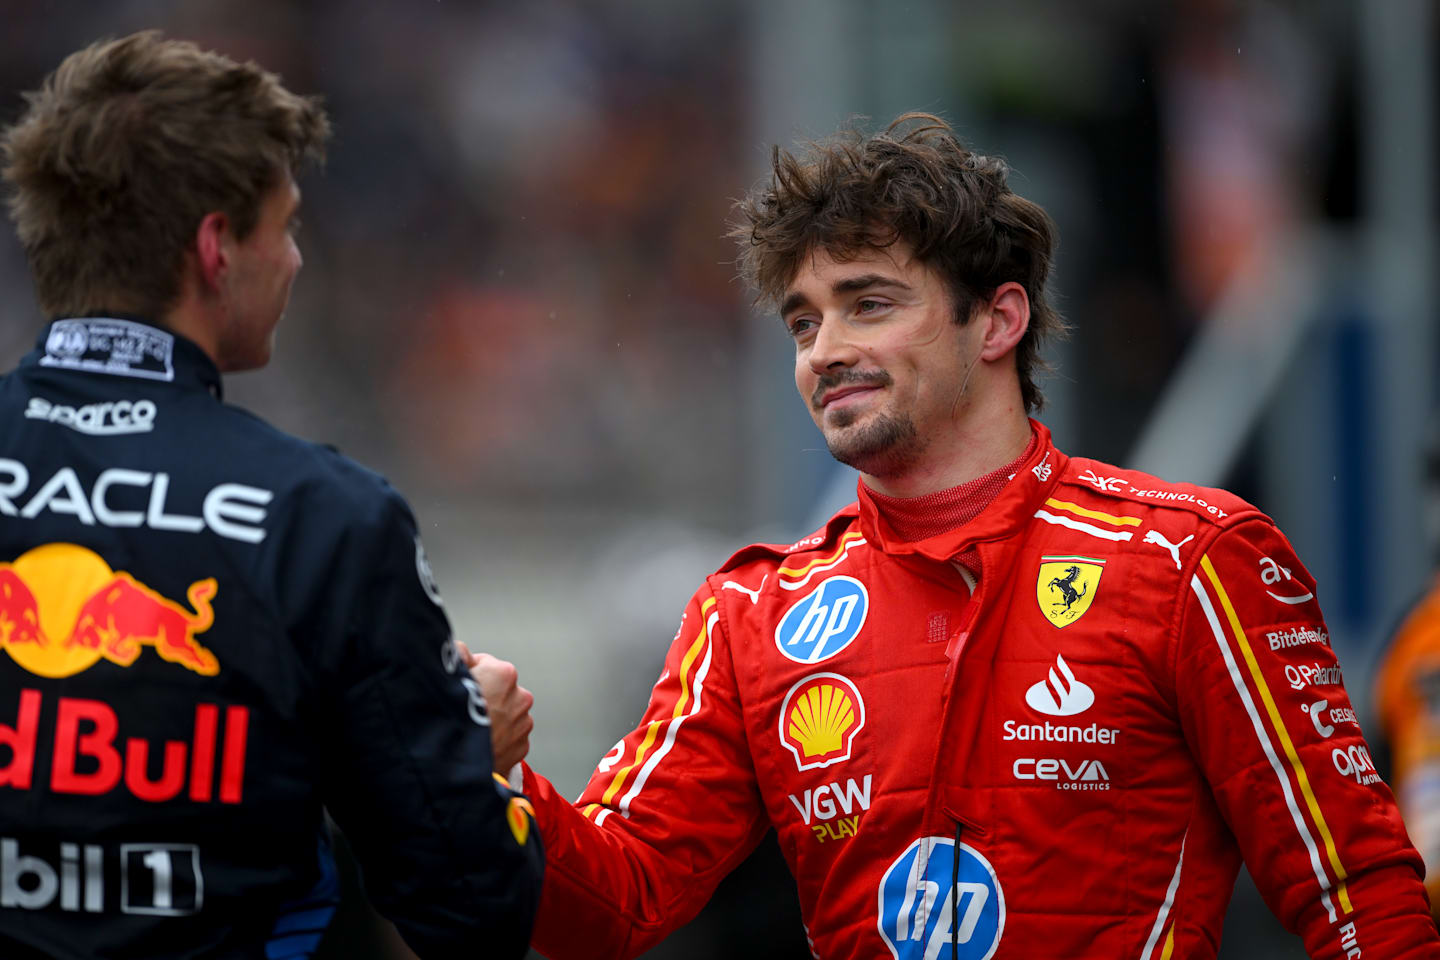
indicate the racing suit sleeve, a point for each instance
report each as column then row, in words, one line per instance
column 448, row 851
column 670, row 810
column 1264, row 709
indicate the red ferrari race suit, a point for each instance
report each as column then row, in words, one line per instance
column 1070, row 759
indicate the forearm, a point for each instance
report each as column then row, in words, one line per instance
column 609, row 894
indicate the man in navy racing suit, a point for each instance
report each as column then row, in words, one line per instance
column 212, row 630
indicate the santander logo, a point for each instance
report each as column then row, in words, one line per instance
column 1059, row 697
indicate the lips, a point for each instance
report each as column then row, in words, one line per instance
column 835, row 396
column 833, row 389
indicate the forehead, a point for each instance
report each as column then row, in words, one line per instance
column 821, row 269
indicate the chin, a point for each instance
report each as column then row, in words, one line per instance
column 884, row 447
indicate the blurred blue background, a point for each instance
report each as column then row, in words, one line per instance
column 518, row 302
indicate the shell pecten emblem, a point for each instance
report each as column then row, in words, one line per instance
column 819, row 719
column 62, row 610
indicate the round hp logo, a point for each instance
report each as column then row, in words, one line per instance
column 824, row 622
column 928, row 905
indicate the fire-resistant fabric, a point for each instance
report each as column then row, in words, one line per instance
column 1074, row 762
column 211, row 631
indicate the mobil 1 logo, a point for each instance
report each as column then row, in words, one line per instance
column 160, row 879
column 156, row 879
column 824, row 622
column 933, row 908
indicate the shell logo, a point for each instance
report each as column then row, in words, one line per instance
column 62, row 609
column 819, row 720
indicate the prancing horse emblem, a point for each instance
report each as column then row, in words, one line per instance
column 1066, row 587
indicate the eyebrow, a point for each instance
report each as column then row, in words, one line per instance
column 864, row 281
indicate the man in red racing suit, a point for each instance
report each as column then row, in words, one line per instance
column 1140, row 691
column 1039, row 709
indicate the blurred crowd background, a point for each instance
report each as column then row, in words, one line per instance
column 518, row 301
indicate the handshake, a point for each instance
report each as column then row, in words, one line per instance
column 508, row 703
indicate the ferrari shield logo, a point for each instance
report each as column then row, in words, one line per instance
column 1066, row 587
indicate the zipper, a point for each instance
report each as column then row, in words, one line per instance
column 955, row 900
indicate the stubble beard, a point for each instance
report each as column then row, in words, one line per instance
column 884, row 447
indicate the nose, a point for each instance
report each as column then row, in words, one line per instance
column 832, row 347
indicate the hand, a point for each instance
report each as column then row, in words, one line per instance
column 509, row 705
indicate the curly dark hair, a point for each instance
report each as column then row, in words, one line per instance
column 914, row 183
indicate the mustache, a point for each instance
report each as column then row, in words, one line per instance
column 848, row 378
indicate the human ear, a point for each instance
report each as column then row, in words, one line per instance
column 1007, row 317
column 212, row 248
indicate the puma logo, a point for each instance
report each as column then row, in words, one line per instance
column 754, row 595
column 1157, row 538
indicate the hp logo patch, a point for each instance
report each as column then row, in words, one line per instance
column 824, row 623
column 917, row 903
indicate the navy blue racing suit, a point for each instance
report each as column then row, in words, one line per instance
column 211, row 633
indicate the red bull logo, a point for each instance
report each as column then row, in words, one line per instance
column 61, row 590
column 90, row 756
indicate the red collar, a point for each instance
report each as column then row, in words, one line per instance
column 1034, row 475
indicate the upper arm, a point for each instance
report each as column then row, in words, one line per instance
column 407, row 762
column 1265, row 709
column 670, row 809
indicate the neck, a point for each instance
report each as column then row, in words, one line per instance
column 195, row 322
column 979, row 446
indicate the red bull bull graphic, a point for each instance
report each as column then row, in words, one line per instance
column 62, row 590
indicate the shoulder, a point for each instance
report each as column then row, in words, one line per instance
column 317, row 475
column 1095, row 485
column 759, row 583
column 829, row 543
column 1170, row 526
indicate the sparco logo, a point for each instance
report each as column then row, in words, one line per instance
column 1060, row 698
column 96, row 419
